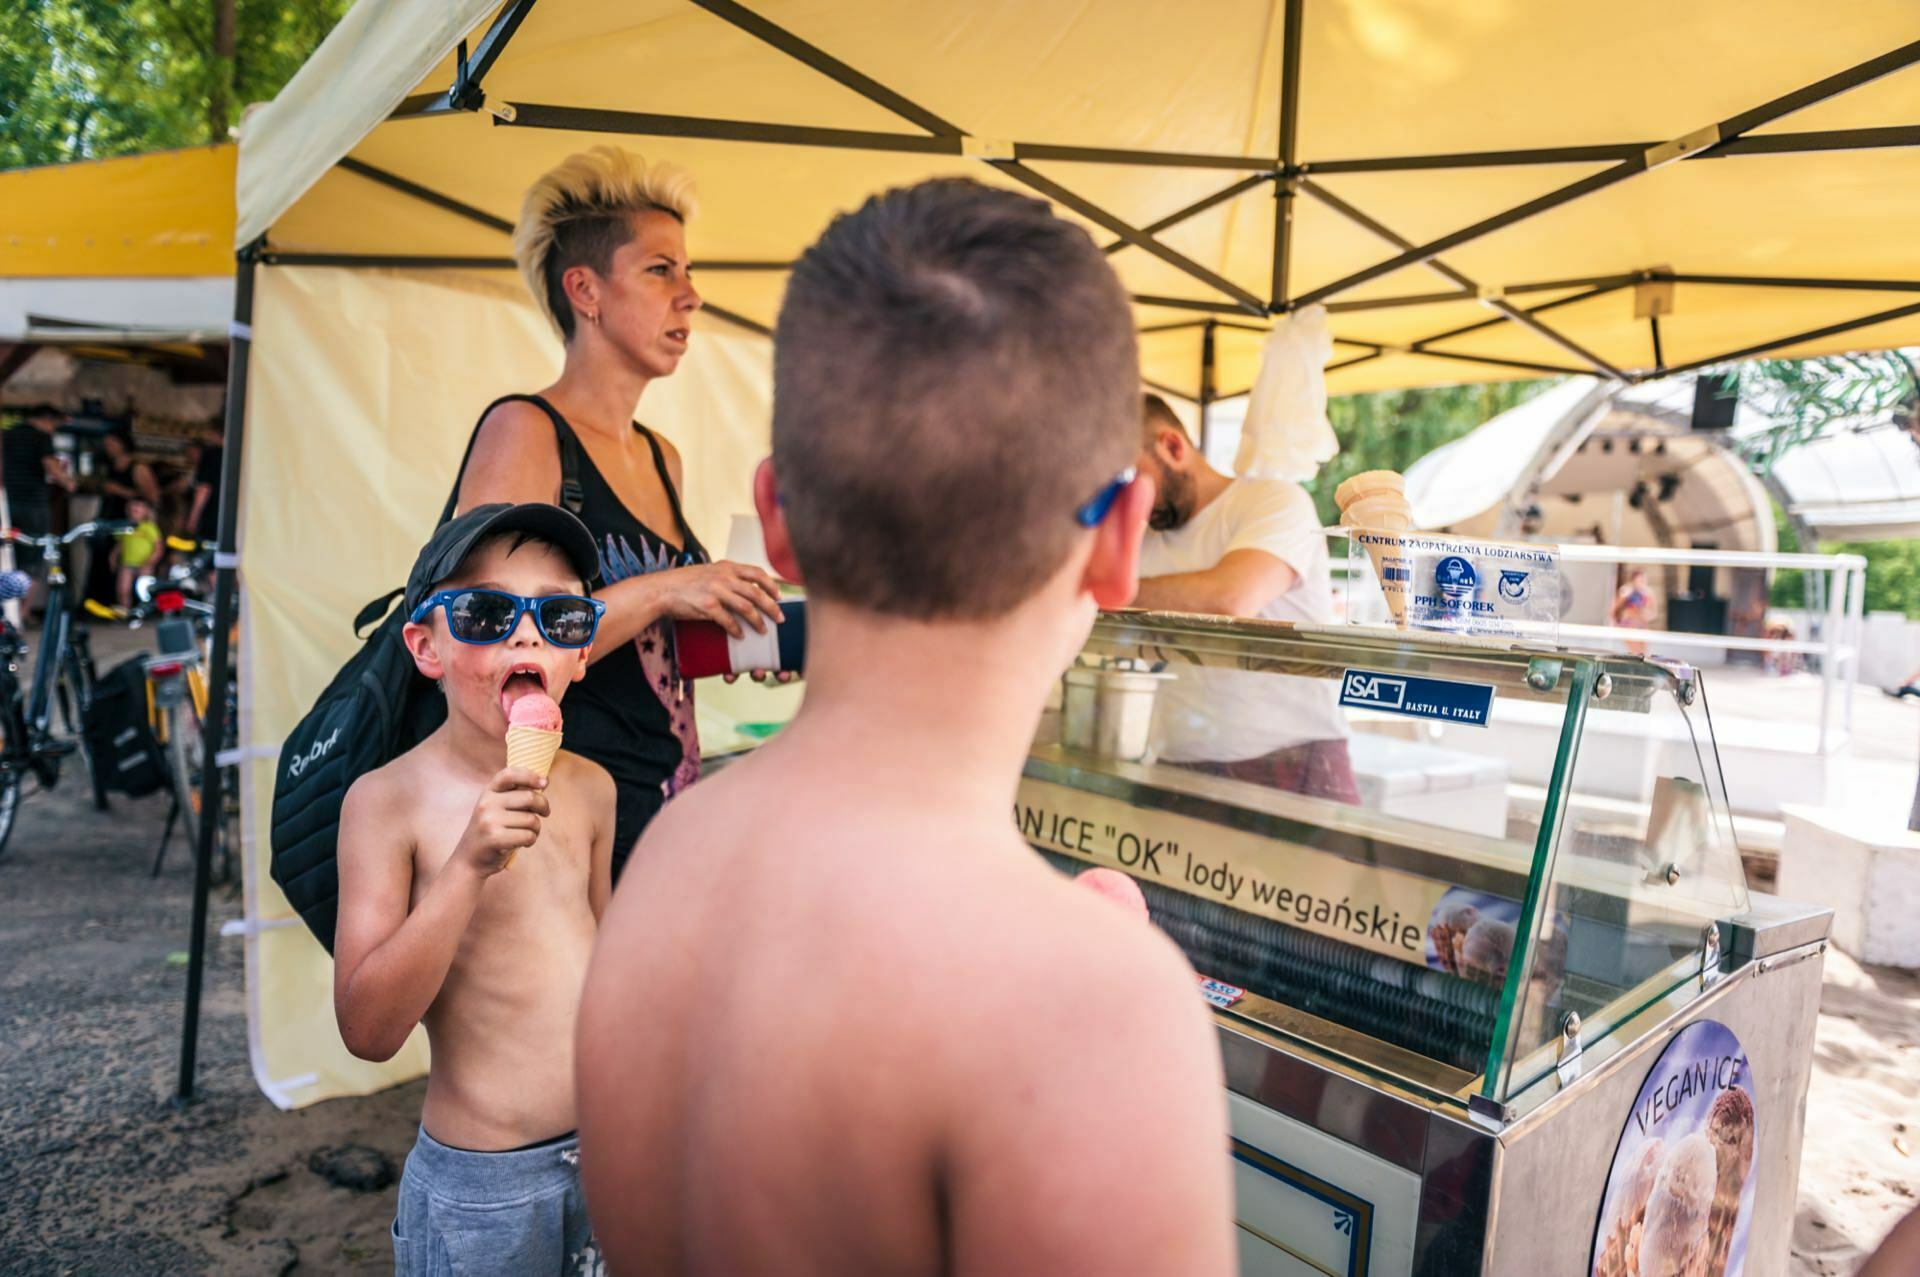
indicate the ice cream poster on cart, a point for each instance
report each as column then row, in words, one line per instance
column 1453, row 584
column 1679, row 1196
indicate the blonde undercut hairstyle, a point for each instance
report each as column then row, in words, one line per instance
column 580, row 213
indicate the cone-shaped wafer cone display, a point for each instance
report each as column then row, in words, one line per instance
column 1393, row 568
column 1374, row 504
column 532, row 748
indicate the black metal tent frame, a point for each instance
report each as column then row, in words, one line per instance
column 1288, row 175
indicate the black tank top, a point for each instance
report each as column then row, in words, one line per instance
column 633, row 713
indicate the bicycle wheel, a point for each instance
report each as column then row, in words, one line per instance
column 76, row 698
column 183, row 771
column 13, row 741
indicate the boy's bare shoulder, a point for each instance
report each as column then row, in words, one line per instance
column 577, row 772
column 385, row 787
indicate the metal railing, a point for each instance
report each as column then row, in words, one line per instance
column 1838, row 624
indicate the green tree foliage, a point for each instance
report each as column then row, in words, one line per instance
column 1395, row 428
column 83, row 79
column 1805, row 397
column 1893, row 571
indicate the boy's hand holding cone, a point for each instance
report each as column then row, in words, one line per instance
column 1375, row 501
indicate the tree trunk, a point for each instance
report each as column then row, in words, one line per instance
column 219, row 100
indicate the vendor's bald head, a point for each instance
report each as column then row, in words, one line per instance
column 954, row 375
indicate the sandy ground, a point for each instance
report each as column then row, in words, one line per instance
column 101, row 1174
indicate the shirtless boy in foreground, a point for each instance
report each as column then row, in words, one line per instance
column 469, row 896
column 842, row 1019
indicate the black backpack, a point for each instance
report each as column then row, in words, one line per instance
column 127, row 757
column 376, row 708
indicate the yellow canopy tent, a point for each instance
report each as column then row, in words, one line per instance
column 1500, row 189
column 118, row 259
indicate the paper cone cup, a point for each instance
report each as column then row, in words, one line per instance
column 532, row 748
column 1367, row 484
column 1388, row 514
column 1393, row 568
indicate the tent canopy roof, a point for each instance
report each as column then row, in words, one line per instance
column 168, row 214
column 1542, row 173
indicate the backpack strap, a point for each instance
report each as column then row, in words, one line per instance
column 688, row 543
column 372, row 613
column 573, row 497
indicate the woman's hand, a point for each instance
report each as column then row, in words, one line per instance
column 724, row 593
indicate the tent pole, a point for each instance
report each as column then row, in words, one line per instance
column 1659, row 356
column 1283, row 190
column 1206, row 382
column 1767, row 144
column 213, row 730
column 1173, row 219
column 1831, row 330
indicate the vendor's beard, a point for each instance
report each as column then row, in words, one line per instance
column 1173, row 502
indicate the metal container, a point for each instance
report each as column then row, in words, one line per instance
column 1107, row 710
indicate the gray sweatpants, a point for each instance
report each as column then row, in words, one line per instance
column 467, row 1214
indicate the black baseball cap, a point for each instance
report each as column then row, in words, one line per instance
column 450, row 545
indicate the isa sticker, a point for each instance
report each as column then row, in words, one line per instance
column 1220, row 993
column 1434, row 698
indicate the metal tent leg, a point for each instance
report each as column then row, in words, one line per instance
column 224, row 608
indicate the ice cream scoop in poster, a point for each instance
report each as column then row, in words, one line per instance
column 1680, row 1194
column 1470, row 934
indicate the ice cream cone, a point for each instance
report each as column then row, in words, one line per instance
column 532, row 748
column 1369, row 483
column 1388, row 512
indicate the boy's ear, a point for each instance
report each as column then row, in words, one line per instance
column 1113, row 571
column 580, row 668
column 419, row 641
column 773, row 523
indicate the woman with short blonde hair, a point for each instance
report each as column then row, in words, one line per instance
column 601, row 244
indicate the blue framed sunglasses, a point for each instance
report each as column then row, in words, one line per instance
column 1090, row 514
column 482, row 616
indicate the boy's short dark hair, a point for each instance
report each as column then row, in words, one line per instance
column 955, row 373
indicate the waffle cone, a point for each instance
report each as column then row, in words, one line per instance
column 532, row 748
column 1382, row 546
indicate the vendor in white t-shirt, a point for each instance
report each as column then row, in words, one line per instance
column 1248, row 548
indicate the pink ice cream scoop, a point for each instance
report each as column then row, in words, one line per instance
column 1115, row 886
column 535, row 709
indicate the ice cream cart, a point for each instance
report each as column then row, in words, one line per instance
column 1491, row 991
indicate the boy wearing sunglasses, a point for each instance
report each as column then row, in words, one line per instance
column 470, row 892
column 842, row 1019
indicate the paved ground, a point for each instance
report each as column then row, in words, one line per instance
column 100, row 1174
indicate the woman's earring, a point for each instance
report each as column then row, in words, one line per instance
column 593, row 317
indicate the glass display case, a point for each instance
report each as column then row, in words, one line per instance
column 1437, row 889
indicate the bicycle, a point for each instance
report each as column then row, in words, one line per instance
column 177, row 702
column 63, row 677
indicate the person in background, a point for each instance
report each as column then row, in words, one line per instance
column 1633, row 607
column 123, row 479
column 1909, row 687
column 1250, row 548
column 136, row 550
column 30, row 469
column 203, row 517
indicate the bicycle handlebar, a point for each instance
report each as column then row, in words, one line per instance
column 93, row 527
